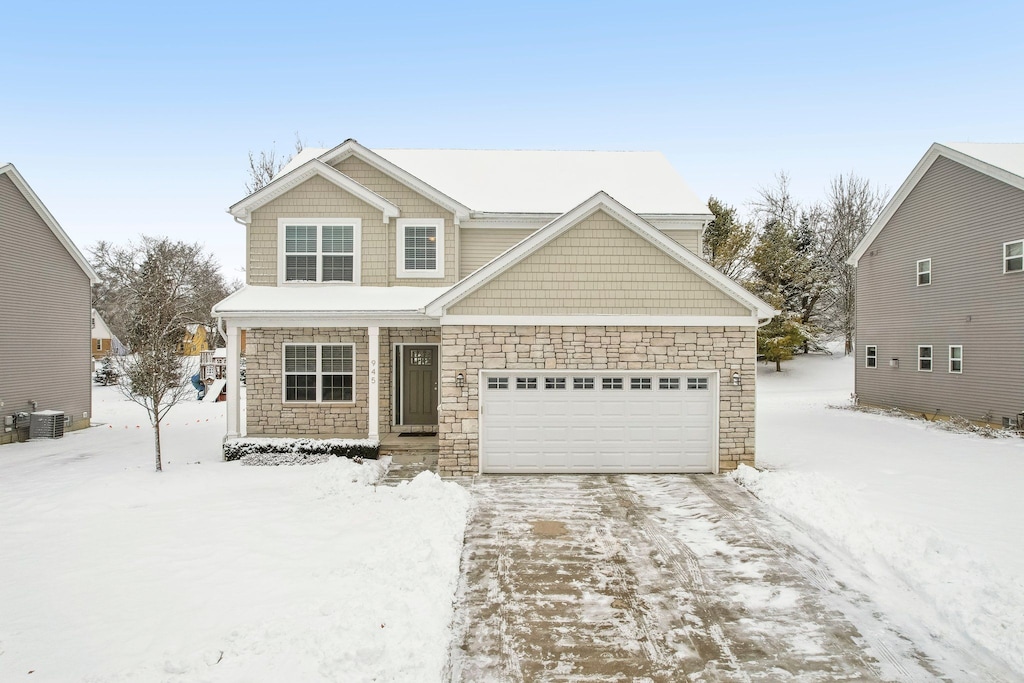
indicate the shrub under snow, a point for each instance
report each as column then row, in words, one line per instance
column 298, row 451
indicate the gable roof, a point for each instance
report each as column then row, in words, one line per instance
column 600, row 201
column 100, row 329
column 37, row 204
column 1002, row 161
column 529, row 181
column 302, row 173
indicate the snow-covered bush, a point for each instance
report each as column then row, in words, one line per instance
column 298, row 451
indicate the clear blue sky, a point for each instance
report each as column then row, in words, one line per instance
column 137, row 118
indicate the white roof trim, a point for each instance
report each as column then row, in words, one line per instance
column 352, row 148
column 600, row 201
column 51, row 222
column 296, row 177
column 934, row 152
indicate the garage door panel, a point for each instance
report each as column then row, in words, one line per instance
column 548, row 429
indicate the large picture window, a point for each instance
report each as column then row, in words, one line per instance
column 420, row 248
column 320, row 250
column 319, row 373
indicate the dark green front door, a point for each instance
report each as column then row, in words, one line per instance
column 419, row 385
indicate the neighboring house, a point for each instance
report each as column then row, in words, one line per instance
column 542, row 311
column 46, row 285
column 104, row 343
column 940, row 278
column 196, row 340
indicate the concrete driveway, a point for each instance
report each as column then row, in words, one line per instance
column 657, row 578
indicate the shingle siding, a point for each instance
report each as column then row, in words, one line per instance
column 599, row 267
column 959, row 218
column 46, row 317
column 482, row 245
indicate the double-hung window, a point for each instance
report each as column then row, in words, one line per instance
column 420, row 247
column 924, row 358
column 956, row 359
column 319, row 250
column 924, row 272
column 871, row 357
column 319, row 373
column 1013, row 256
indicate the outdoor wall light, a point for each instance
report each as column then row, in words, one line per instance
column 460, row 380
column 736, row 379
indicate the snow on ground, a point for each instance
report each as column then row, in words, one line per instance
column 934, row 518
column 211, row 571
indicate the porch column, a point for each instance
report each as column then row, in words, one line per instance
column 374, row 380
column 234, row 385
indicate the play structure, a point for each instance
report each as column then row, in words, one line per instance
column 211, row 380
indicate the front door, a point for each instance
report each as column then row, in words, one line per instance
column 419, row 385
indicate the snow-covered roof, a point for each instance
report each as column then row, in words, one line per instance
column 1008, row 156
column 327, row 298
column 100, row 329
column 538, row 181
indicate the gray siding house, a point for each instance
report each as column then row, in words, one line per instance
column 45, row 363
column 940, row 278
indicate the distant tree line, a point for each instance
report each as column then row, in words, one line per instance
column 793, row 256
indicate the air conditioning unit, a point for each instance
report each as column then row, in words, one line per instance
column 46, row 424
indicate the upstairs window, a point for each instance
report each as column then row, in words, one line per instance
column 871, row 357
column 1013, row 257
column 924, row 358
column 956, row 359
column 924, row 272
column 420, row 247
column 322, row 250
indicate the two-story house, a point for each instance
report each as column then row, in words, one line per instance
column 542, row 311
column 939, row 277
column 46, row 321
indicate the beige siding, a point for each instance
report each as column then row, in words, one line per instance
column 481, row 245
column 958, row 218
column 412, row 205
column 316, row 198
column 599, row 267
column 690, row 239
column 46, row 317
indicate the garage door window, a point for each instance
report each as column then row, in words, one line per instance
column 582, row 382
column 554, row 383
column 668, row 383
column 611, row 382
column 640, row 383
column 526, row 382
column 696, row 382
column 497, row 382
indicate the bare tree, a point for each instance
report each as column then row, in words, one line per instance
column 851, row 206
column 263, row 168
column 154, row 290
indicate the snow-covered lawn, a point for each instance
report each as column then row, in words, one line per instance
column 930, row 523
column 213, row 571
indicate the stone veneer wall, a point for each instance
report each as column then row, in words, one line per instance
column 266, row 412
column 469, row 348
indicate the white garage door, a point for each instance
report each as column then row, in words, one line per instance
column 598, row 422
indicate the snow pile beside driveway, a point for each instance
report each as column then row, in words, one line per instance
column 211, row 571
column 931, row 520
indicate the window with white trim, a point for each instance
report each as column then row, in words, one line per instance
column 640, row 383
column 1013, row 257
column 526, row 382
column 611, row 382
column 924, row 272
column 924, row 358
column 871, row 356
column 420, row 246
column 699, row 383
column 99, row 344
column 956, row 359
column 319, row 250
column 582, row 382
column 668, row 383
column 497, row 382
column 319, row 373
column 554, row 383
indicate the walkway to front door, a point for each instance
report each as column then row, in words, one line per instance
column 660, row 578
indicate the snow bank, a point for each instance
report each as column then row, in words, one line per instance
column 970, row 595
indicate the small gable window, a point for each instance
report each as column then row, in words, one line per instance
column 924, row 272
column 1013, row 257
column 319, row 250
column 420, row 247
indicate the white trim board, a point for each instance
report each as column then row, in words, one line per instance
column 604, row 320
